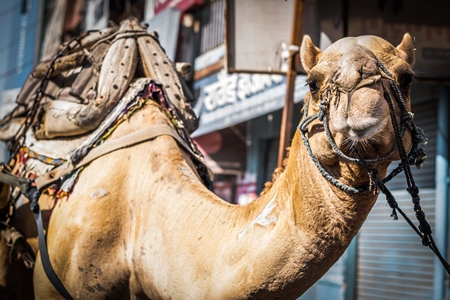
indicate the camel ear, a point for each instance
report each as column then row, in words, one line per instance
column 309, row 53
column 407, row 49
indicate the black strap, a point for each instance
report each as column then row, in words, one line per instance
column 32, row 193
column 395, row 208
column 33, row 196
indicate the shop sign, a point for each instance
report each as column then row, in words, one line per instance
column 228, row 99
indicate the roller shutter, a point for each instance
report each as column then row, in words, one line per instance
column 392, row 263
column 425, row 115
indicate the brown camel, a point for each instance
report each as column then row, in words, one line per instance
column 139, row 224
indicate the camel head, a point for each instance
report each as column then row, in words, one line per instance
column 348, row 82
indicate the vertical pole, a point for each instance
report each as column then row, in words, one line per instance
column 291, row 74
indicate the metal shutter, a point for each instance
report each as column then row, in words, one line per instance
column 425, row 118
column 392, row 263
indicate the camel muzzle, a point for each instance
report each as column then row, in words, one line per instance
column 415, row 156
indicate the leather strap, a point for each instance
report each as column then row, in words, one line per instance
column 131, row 139
column 33, row 196
column 33, row 192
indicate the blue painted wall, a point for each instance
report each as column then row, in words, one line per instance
column 20, row 23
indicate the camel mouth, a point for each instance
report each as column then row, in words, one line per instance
column 363, row 135
column 361, row 116
column 368, row 132
column 361, row 130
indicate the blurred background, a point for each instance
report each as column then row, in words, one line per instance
column 240, row 52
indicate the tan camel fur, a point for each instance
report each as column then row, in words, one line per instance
column 140, row 225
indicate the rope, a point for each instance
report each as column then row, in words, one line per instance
column 327, row 175
column 303, row 130
column 303, row 127
column 412, row 189
column 415, row 156
column 348, row 158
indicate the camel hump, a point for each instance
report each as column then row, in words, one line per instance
column 71, row 94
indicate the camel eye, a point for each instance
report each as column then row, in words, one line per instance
column 313, row 87
column 405, row 80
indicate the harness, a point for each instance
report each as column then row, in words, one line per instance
column 93, row 148
column 415, row 156
column 32, row 188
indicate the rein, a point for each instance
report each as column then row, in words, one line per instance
column 415, row 156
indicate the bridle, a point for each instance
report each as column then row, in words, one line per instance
column 415, row 156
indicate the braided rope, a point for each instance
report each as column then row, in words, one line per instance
column 415, row 156
column 303, row 130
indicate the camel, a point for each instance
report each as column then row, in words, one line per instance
column 139, row 224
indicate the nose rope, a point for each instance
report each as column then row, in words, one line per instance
column 322, row 116
column 415, row 156
column 303, row 127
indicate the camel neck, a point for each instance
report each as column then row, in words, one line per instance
column 319, row 208
column 300, row 226
column 291, row 235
